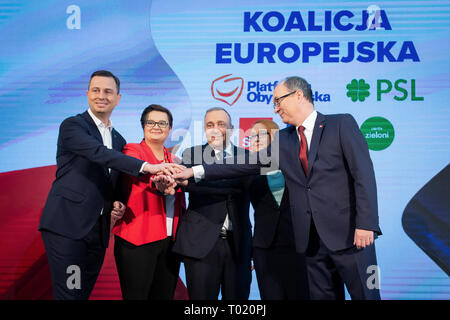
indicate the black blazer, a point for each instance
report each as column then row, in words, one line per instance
column 273, row 224
column 209, row 202
column 83, row 184
column 339, row 193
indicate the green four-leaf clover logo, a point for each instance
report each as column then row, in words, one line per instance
column 358, row 90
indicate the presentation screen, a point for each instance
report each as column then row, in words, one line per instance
column 386, row 63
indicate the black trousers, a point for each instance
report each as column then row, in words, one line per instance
column 328, row 271
column 281, row 273
column 147, row 272
column 218, row 272
column 74, row 264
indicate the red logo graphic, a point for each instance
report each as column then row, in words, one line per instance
column 227, row 89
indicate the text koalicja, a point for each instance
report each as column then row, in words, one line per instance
column 328, row 52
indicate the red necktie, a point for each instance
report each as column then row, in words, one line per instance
column 303, row 148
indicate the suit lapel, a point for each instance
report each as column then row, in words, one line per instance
column 96, row 134
column 208, row 156
column 319, row 126
column 92, row 127
column 115, row 140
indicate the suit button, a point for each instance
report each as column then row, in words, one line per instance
column 308, row 212
column 308, row 188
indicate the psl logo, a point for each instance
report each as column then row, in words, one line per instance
column 227, row 89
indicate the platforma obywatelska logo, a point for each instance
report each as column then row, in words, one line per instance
column 227, row 89
column 358, row 90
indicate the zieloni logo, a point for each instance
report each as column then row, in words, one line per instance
column 378, row 132
column 227, row 89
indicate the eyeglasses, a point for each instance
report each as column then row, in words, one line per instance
column 259, row 135
column 276, row 101
column 151, row 124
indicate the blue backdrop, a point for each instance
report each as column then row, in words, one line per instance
column 388, row 60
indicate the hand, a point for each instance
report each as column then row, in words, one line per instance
column 164, row 184
column 166, row 168
column 117, row 212
column 363, row 238
column 183, row 175
column 183, row 183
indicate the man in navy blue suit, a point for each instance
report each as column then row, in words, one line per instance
column 75, row 222
column 330, row 177
column 214, row 235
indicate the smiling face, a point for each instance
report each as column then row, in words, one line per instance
column 217, row 123
column 288, row 106
column 259, row 137
column 102, row 96
column 157, row 133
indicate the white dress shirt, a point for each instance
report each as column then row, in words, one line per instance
column 309, row 123
column 105, row 132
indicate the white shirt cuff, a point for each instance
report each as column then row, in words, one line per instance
column 142, row 167
column 199, row 172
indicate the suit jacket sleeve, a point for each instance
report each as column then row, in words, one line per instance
column 356, row 153
column 75, row 137
column 240, row 166
column 132, row 150
column 208, row 187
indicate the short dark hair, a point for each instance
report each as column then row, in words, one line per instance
column 298, row 83
column 108, row 74
column 155, row 107
column 218, row 109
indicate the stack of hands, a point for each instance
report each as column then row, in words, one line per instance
column 167, row 176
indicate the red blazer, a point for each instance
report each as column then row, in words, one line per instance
column 144, row 220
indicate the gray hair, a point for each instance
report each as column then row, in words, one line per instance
column 298, row 83
column 218, row 109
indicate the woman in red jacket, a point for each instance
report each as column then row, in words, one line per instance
column 147, row 267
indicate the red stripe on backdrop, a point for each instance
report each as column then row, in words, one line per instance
column 24, row 271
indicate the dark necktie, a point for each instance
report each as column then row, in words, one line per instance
column 303, row 150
